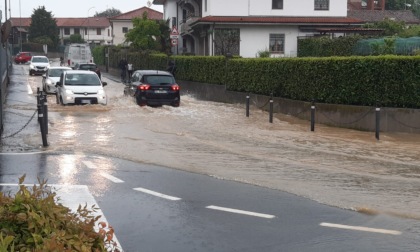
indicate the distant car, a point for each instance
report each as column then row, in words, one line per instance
column 153, row 87
column 88, row 66
column 51, row 77
column 80, row 87
column 39, row 65
column 23, row 57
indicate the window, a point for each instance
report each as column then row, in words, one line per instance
column 125, row 29
column 98, row 31
column 277, row 4
column 66, row 31
column 322, row 4
column 85, row 31
column 76, row 30
column 277, row 43
column 108, row 32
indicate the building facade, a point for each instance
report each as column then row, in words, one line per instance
column 122, row 23
column 247, row 27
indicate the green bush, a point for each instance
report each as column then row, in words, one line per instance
column 34, row 220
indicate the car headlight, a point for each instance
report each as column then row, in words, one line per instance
column 31, row 66
column 48, row 82
column 101, row 92
column 69, row 91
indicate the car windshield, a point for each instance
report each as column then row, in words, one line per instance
column 40, row 59
column 78, row 79
column 55, row 72
column 159, row 79
column 87, row 67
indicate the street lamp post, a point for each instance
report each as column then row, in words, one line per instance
column 88, row 22
column 20, row 28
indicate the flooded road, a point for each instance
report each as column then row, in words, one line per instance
column 339, row 167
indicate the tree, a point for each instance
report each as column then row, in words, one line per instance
column 399, row 4
column 145, row 34
column 391, row 27
column 226, row 41
column 108, row 13
column 43, row 25
column 76, row 38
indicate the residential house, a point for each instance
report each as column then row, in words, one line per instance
column 94, row 30
column 246, row 27
column 371, row 11
column 122, row 23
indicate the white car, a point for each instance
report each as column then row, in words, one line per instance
column 80, row 87
column 51, row 77
column 38, row 65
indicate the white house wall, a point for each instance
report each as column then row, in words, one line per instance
column 257, row 38
column 119, row 36
column 291, row 8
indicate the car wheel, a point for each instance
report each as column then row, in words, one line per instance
column 140, row 102
column 175, row 104
column 61, row 101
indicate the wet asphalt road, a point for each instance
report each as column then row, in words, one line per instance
column 154, row 208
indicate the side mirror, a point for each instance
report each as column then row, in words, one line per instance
column 104, row 84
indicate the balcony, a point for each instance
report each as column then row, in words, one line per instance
column 185, row 27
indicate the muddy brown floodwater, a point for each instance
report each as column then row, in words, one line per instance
column 339, row 167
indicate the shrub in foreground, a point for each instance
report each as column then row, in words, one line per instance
column 33, row 220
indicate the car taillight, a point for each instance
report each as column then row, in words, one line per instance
column 175, row 87
column 144, row 87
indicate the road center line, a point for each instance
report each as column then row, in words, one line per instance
column 112, row 178
column 231, row 210
column 359, row 228
column 156, row 194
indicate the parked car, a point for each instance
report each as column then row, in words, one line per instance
column 51, row 77
column 80, row 87
column 39, row 65
column 23, row 57
column 88, row 66
column 153, row 87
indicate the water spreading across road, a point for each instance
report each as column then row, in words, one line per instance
column 339, row 167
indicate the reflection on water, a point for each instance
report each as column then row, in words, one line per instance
column 340, row 167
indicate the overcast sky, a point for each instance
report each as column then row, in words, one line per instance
column 71, row 8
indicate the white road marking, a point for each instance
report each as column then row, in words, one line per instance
column 156, row 194
column 359, row 228
column 112, row 178
column 89, row 164
column 231, row 210
column 29, row 89
column 72, row 196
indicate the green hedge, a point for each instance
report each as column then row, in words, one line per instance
column 327, row 47
column 390, row 81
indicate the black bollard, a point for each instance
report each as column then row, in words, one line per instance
column 247, row 106
column 45, row 112
column 313, row 116
column 271, row 108
column 378, row 121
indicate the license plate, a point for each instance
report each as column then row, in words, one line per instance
column 85, row 101
column 161, row 91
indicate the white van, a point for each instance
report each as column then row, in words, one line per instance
column 80, row 87
column 76, row 54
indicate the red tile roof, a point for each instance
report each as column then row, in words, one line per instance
column 96, row 22
column 370, row 16
column 280, row 20
column 24, row 22
column 151, row 14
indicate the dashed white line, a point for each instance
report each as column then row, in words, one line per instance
column 112, row 178
column 156, row 194
column 231, row 210
column 359, row 228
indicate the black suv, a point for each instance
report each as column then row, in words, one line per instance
column 88, row 66
column 153, row 87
